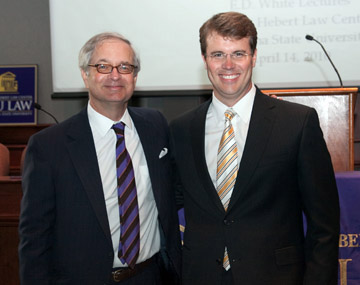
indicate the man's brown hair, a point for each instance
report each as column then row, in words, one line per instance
column 231, row 25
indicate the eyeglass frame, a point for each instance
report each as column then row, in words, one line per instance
column 224, row 55
column 112, row 67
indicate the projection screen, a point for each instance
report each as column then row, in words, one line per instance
column 165, row 34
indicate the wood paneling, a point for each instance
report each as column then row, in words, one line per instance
column 10, row 196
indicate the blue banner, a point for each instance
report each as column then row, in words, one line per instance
column 348, row 184
column 18, row 91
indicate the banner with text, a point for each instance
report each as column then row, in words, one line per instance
column 18, row 91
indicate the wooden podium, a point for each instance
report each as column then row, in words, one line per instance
column 335, row 107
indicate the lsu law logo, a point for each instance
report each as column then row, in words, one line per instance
column 8, row 84
column 17, row 94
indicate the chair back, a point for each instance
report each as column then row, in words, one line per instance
column 4, row 160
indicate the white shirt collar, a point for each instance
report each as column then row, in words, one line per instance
column 103, row 124
column 242, row 108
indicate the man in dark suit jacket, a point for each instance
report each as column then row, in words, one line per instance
column 284, row 170
column 69, row 223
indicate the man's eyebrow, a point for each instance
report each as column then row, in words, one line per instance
column 219, row 51
column 105, row 61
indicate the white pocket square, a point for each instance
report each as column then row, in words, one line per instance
column 163, row 152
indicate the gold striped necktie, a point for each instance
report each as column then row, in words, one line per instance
column 227, row 167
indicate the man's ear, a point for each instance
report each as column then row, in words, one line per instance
column 85, row 78
column 254, row 58
column 204, row 60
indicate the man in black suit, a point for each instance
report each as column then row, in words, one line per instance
column 246, row 227
column 69, row 223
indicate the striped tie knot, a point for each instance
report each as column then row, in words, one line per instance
column 229, row 114
column 119, row 128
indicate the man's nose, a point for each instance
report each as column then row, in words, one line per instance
column 115, row 74
column 228, row 62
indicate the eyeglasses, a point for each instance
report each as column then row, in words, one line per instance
column 123, row 68
column 236, row 56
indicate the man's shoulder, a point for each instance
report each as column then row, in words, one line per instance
column 284, row 104
column 198, row 112
column 56, row 131
column 145, row 113
column 148, row 120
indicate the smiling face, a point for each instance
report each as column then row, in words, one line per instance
column 109, row 93
column 231, row 79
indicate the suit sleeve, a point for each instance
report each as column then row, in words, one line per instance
column 37, row 216
column 321, row 204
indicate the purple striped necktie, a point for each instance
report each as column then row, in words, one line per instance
column 129, row 246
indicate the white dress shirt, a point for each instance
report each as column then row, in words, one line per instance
column 215, row 123
column 105, row 141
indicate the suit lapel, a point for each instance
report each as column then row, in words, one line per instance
column 197, row 134
column 150, row 143
column 82, row 151
column 261, row 123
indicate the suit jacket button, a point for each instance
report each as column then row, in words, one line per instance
column 219, row 261
column 228, row 222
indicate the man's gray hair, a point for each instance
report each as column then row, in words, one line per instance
column 89, row 47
